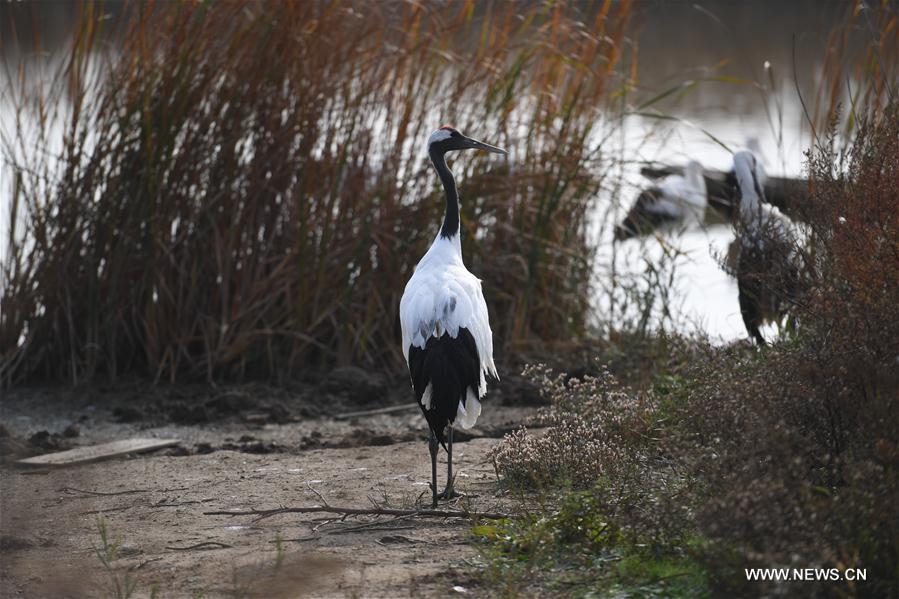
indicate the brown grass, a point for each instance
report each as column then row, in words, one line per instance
column 242, row 189
column 860, row 86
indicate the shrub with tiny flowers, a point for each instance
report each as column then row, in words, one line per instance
column 593, row 431
column 597, row 437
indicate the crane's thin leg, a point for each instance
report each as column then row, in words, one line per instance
column 449, row 466
column 432, row 447
column 449, row 493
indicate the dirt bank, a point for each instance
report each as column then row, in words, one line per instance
column 154, row 504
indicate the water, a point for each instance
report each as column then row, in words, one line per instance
column 742, row 67
column 735, row 63
column 703, row 297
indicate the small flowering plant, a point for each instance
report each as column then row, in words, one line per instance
column 593, row 430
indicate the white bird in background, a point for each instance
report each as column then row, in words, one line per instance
column 447, row 340
column 676, row 199
column 767, row 262
column 728, row 206
column 755, row 148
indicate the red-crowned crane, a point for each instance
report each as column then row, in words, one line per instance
column 767, row 263
column 676, row 199
column 447, row 340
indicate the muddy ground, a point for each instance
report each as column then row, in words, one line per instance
column 245, row 447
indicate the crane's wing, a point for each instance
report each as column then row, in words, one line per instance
column 447, row 343
column 446, row 299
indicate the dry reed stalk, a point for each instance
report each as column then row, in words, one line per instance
column 242, row 193
column 863, row 86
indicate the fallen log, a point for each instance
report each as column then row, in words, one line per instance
column 94, row 453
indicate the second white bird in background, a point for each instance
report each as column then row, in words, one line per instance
column 675, row 200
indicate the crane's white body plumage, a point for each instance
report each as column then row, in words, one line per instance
column 442, row 297
column 683, row 196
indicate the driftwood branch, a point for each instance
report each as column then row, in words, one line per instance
column 367, row 527
column 73, row 490
column 350, row 511
column 344, row 512
column 207, row 545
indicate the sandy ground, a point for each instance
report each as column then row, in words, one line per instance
column 154, row 505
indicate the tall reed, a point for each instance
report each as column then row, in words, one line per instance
column 242, row 189
column 861, row 85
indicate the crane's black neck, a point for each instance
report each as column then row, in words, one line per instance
column 451, row 218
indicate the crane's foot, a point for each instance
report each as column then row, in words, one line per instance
column 445, row 495
column 449, row 493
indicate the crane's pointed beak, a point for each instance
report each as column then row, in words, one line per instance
column 479, row 145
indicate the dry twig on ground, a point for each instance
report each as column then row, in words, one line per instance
column 349, row 511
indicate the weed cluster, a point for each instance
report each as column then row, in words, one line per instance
column 593, row 431
column 121, row 583
column 574, row 545
column 615, row 509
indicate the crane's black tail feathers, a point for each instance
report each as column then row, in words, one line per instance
column 451, row 366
